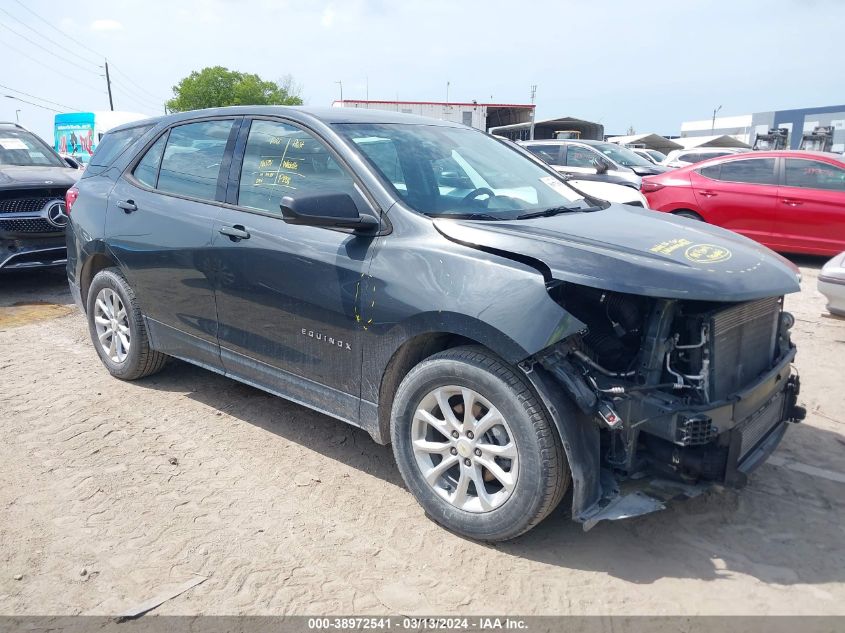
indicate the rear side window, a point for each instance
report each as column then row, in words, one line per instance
column 711, row 171
column 548, row 153
column 283, row 160
column 113, row 144
column 192, row 157
column 757, row 171
column 580, row 157
column 147, row 170
column 814, row 174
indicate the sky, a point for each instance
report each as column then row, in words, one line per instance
column 646, row 64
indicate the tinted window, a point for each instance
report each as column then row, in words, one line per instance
column 19, row 147
column 580, row 156
column 814, row 174
column 711, row 171
column 281, row 159
column 113, row 144
column 548, row 153
column 147, row 169
column 384, row 155
column 192, row 158
column 759, row 171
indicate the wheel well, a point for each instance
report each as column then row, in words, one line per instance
column 695, row 213
column 411, row 353
column 95, row 264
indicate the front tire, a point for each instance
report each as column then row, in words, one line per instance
column 490, row 475
column 117, row 328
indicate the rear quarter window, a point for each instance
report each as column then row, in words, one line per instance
column 113, row 144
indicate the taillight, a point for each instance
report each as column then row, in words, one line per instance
column 70, row 197
column 649, row 186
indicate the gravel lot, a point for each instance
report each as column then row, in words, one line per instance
column 113, row 492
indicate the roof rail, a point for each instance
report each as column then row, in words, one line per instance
column 12, row 123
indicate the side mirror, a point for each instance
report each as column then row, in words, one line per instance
column 333, row 210
column 601, row 166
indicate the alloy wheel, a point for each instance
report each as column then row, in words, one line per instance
column 464, row 449
column 112, row 324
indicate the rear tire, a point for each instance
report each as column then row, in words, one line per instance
column 117, row 328
column 690, row 215
column 492, row 476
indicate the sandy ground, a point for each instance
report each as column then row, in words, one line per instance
column 113, row 492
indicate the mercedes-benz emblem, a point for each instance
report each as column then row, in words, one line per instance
column 56, row 215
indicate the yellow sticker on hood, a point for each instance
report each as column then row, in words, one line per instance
column 707, row 254
column 667, row 247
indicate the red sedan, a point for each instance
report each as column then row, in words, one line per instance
column 790, row 201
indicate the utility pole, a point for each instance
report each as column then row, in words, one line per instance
column 447, row 94
column 340, row 83
column 17, row 116
column 713, row 124
column 533, row 111
column 108, row 85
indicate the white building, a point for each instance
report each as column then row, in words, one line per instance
column 482, row 116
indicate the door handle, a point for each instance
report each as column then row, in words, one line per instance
column 235, row 233
column 128, row 206
column 708, row 194
column 791, row 202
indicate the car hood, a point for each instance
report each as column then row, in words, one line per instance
column 625, row 249
column 648, row 170
column 18, row 176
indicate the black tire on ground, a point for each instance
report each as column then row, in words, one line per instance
column 141, row 360
column 543, row 472
column 691, row 215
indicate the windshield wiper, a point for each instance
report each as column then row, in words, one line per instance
column 545, row 213
column 465, row 216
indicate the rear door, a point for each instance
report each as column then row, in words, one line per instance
column 810, row 215
column 287, row 295
column 739, row 195
column 159, row 226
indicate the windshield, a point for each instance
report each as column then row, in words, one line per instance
column 19, row 147
column 621, row 155
column 657, row 156
column 460, row 172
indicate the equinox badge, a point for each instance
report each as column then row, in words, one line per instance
column 326, row 339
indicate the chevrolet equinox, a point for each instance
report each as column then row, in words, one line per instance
column 512, row 339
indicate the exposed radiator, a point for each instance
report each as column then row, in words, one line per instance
column 742, row 340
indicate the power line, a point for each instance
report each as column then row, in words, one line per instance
column 52, row 43
column 133, row 99
column 129, row 79
column 50, row 68
column 26, row 94
column 58, row 30
column 49, row 52
column 31, row 103
column 135, row 94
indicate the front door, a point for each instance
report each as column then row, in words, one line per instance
column 739, row 195
column 159, row 225
column 287, row 295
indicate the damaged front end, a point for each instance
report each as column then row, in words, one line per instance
column 674, row 395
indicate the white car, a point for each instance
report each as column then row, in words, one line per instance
column 832, row 284
column 620, row 194
column 683, row 157
column 649, row 154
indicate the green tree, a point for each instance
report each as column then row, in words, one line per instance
column 219, row 86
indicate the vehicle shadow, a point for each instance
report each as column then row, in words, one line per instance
column 330, row 437
column 46, row 285
column 808, row 261
column 784, row 528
